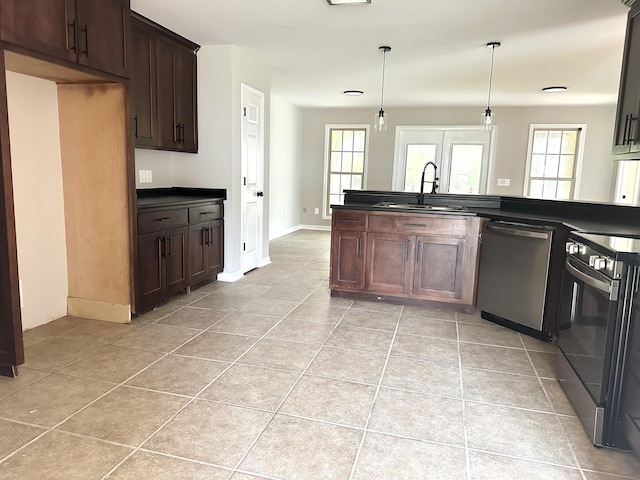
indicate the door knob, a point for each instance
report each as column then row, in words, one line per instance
column 260, row 194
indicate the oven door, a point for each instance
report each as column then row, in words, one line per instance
column 588, row 314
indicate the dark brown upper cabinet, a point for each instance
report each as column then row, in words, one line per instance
column 626, row 139
column 93, row 33
column 164, row 88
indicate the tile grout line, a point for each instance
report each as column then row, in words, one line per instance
column 465, row 433
column 375, row 397
column 286, row 396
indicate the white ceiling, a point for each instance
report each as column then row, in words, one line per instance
column 438, row 57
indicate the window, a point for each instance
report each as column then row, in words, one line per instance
column 461, row 154
column 553, row 160
column 345, row 162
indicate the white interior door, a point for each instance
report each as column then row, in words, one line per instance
column 414, row 148
column 252, row 159
column 466, row 161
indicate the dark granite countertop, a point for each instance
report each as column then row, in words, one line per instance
column 176, row 196
column 586, row 217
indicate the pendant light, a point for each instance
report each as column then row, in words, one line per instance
column 380, row 124
column 487, row 116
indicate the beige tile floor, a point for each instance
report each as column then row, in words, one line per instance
column 271, row 378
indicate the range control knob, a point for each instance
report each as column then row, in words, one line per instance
column 597, row 263
column 572, row 248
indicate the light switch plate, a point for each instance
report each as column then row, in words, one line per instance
column 504, row 182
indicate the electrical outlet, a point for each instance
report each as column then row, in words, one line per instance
column 149, row 176
column 504, row 182
column 316, row 210
column 143, row 176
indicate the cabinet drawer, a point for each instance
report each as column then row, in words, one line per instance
column 426, row 224
column 349, row 220
column 161, row 220
column 204, row 213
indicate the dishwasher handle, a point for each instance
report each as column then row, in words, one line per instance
column 516, row 232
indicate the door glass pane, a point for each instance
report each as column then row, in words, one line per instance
column 417, row 157
column 466, row 164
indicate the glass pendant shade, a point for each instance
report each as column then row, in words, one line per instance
column 488, row 117
column 380, row 123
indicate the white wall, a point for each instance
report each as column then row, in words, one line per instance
column 285, row 167
column 510, row 153
column 38, row 196
column 221, row 71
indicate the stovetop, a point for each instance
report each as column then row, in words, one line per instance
column 609, row 245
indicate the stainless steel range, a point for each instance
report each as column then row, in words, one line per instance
column 600, row 280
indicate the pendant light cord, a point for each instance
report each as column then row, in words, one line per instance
column 493, row 50
column 384, row 49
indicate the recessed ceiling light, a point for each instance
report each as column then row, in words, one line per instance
column 347, row 2
column 353, row 93
column 553, row 89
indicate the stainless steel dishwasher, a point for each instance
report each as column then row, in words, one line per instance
column 513, row 275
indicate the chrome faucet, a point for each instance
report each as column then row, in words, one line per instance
column 434, row 183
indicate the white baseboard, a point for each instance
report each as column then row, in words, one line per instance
column 323, row 228
column 284, row 232
column 230, row 276
column 265, row 261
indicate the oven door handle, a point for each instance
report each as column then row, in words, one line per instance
column 606, row 287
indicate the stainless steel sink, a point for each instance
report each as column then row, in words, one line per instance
column 415, row 206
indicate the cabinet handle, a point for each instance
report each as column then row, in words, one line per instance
column 161, row 219
column 632, row 120
column 86, row 40
column 415, row 225
column 349, row 220
column 206, row 213
column 160, row 245
column 360, row 246
column 167, row 241
column 135, row 122
column 205, row 236
column 74, row 35
column 408, row 249
column 176, row 134
column 182, row 133
column 418, row 251
column 210, row 235
column 626, row 130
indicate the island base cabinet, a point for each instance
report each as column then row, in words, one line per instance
column 430, row 257
column 389, row 261
column 347, row 260
column 439, row 271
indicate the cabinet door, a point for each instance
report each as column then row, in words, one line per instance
column 215, row 248
column 186, row 99
column 347, row 259
column 389, row 261
column 439, row 269
column 143, row 84
column 198, row 246
column 176, row 259
column 150, row 286
column 167, row 125
column 45, row 26
column 103, row 34
column 627, row 124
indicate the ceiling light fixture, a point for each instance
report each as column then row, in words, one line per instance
column 553, row 89
column 347, row 2
column 380, row 124
column 487, row 116
column 353, row 93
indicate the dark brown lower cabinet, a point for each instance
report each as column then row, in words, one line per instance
column 162, row 265
column 205, row 250
column 427, row 257
column 178, row 247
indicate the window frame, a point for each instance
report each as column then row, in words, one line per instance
column 579, row 155
column 327, row 160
